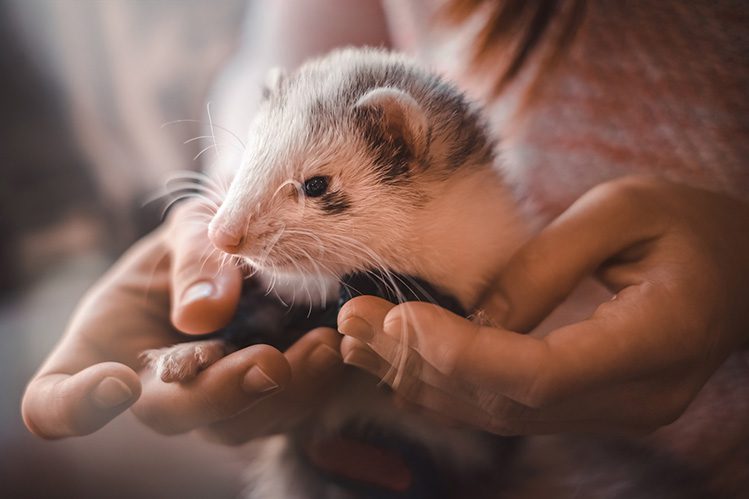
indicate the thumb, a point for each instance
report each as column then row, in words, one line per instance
column 57, row 404
column 603, row 223
column 205, row 289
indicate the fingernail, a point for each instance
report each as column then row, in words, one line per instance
column 198, row 291
column 256, row 381
column 362, row 359
column 356, row 327
column 111, row 392
column 322, row 358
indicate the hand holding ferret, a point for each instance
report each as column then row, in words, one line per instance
column 677, row 259
column 170, row 282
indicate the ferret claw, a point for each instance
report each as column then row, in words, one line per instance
column 183, row 361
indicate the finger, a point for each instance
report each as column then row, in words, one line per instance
column 628, row 408
column 58, row 405
column 603, row 222
column 205, row 290
column 627, row 338
column 409, row 384
column 482, row 409
column 224, row 389
column 315, row 365
column 623, row 407
column 398, row 360
column 385, row 359
column 452, row 345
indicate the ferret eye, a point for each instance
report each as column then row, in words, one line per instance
column 315, row 186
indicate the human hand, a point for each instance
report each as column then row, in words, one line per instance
column 677, row 259
column 171, row 281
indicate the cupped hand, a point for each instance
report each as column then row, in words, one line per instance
column 676, row 259
column 168, row 282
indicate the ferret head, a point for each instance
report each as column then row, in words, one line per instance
column 342, row 162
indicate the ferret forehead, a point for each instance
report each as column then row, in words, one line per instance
column 335, row 81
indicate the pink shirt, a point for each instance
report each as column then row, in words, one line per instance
column 647, row 87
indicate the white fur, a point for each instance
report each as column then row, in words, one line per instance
column 451, row 228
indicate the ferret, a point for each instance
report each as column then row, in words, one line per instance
column 362, row 161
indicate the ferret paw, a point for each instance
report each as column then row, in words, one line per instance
column 183, row 361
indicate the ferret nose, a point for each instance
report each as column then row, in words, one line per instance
column 225, row 240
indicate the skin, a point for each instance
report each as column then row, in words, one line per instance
column 675, row 257
column 116, row 322
column 95, row 372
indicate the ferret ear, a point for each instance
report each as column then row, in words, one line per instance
column 273, row 81
column 398, row 116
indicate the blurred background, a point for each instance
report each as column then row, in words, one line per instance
column 86, row 90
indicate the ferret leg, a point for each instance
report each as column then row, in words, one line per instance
column 183, row 361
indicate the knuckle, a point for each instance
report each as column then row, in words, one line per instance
column 405, row 379
column 540, row 392
column 638, row 193
column 504, row 427
column 676, row 405
column 669, row 408
column 542, row 386
column 408, row 389
column 626, row 189
column 326, row 335
column 491, row 402
column 398, row 318
column 505, row 408
column 214, row 406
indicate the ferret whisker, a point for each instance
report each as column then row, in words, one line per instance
column 178, row 184
column 152, row 275
column 204, row 150
column 255, row 270
column 273, row 242
column 210, row 124
column 197, row 193
column 165, row 192
column 304, row 281
column 176, row 199
column 320, row 285
column 198, row 197
column 206, row 137
column 297, row 185
column 397, row 369
column 278, row 297
column 222, row 260
column 201, row 122
column 200, row 177
column 191, row 191
column 207, row 255
column 197, row 219
column 305, row 233
column 272, row 283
